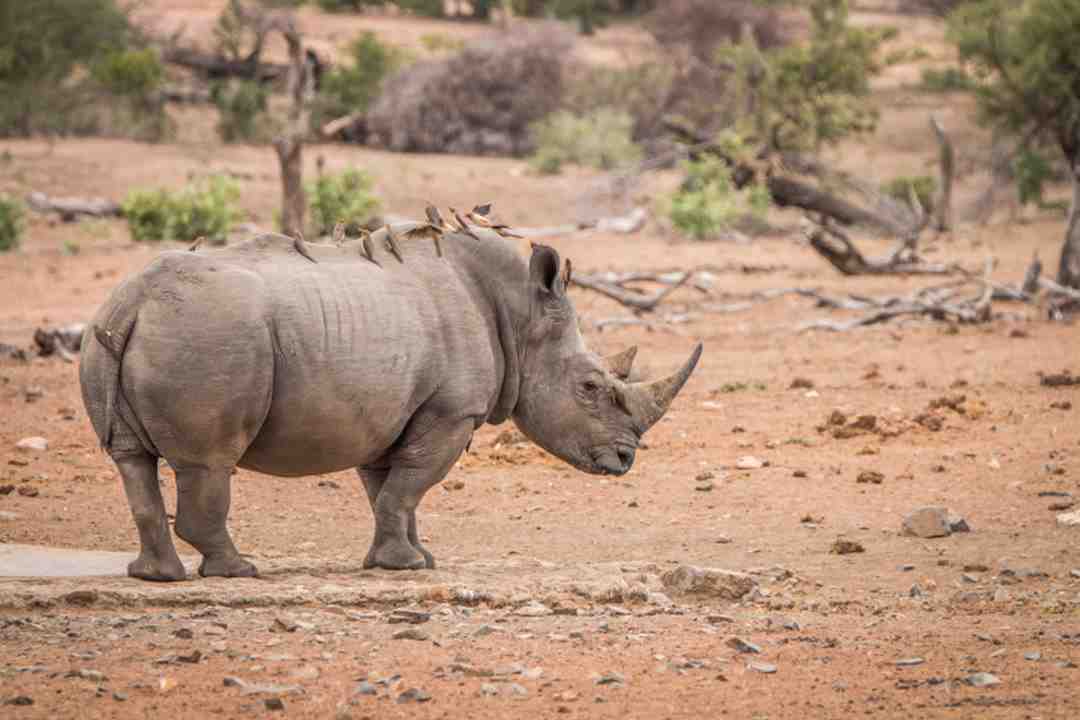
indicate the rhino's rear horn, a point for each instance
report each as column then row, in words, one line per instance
column 620, row 364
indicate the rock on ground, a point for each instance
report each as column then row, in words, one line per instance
column 724, row 584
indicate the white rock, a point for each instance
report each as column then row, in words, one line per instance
column 1071, row 519
column 927, row 522
column 725, row 584
column 32, row 444
column 749, row 462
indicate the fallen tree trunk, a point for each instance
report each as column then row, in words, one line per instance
column 215, row 67
column 840, row 251
column 70, row 209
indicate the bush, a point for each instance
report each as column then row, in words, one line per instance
column 600, row 139
column 352, row 87
column 344, row 197
column 703, row 26
column 11, row 223
column 132, row 78
column 946, row 80
column 241, row 111
column 643, row 92
column 708, row 202
column 900, row 188
column 204, row 210
column 480, row 101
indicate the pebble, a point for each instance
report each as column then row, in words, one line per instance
column 611, row 678
column 982, row 679
column 1075, row 573
column 408, row 615
column 927, row 522
column 489, row 689
column 413, row 695
column 749, row 462
column 872, row 477
column 410, row 634
column 32, row 444
column 365, row 688
column 533, row 609
column 843, row 546
column 743, row 646
column 909, row 662
column 274, row 703
column 1069, row 519
column 1033, row 656
column 762, row 667
column 6, row 515
column 487, row 630
column 119, row 696
column 20, row 700
column 517, row 690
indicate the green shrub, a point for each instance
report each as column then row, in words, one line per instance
column 600, row 139
column 440, row 43
column 12, row 223
column 708, row 202
column 344, row 197
column 207, row 209
column 900, row 188
column 130, row 73
column 425, row 8
column 241, row 111
column 354, row 85
column 947, row 79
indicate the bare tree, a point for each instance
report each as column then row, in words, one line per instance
column 290, row 143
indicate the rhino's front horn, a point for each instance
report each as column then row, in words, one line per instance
column 653, row 399
column 620, row 364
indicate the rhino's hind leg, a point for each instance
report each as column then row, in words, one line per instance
column 203, row 497
column 374, row 480
column 421, row 461
column 157, row 556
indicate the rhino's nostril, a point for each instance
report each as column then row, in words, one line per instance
column 626, row 457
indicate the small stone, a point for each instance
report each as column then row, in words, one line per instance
column 411, row 633
column 761, row 667
column 32, row 444
column 743, row 646
column 722, row 539
column 872, row 477
column 1060, row 505
column 489, row 689
column 6, row 515
column 119, row 696
column 957, row 523
column 20, row 700
column 982, row 679
column 969, row 578
column 1002, row 595
column 703, row 476
column 1075, row 573
column 284, row 623
column 487, row 630
column 28, row 491
column 413, row 695
column 907, row 567
column 801, row 383
column 365, row 688
column 1069, row 519
column 975, row 567
column 611, row 678
column 1033, row 656
column 843, row 546
column 799, row 473
column 706, row 486
column 749, row 462
column 723, row 584
column 407, row 615
column 533, row 609
column 184, row 633
column 909, row 662
column 927, row 522
column 307, row 673
column 274, row 703
column 517, row 690
column 719, row 619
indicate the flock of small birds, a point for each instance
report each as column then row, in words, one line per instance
column 435, row 228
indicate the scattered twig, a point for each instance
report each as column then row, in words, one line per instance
column 632, row 299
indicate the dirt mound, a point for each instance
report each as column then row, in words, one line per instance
column 478, row 102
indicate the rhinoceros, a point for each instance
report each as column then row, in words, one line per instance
column 383, row 355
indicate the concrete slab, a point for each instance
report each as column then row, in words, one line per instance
column 48, row 562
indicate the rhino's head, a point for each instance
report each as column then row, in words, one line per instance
column 574, row 404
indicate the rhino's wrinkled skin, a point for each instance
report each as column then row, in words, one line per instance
column 294, row 359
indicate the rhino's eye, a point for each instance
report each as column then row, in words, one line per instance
column 590, row 387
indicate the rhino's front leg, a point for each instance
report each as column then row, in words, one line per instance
column 373, row 480
column 422, row 460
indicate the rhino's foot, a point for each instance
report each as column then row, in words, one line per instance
column 148, row 567
column 395, row 555
column 429, row 559
column 227, row 566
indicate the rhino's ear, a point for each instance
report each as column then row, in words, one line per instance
column 544, row 271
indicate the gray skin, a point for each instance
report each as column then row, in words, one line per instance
column 297, row 359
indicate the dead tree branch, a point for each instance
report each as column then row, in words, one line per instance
column 946, row 163
column 69, row 209
column 630, row 298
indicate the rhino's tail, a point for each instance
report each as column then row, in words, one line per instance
column 99, row 372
